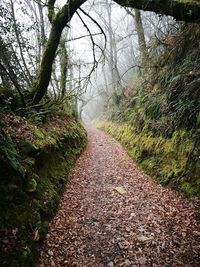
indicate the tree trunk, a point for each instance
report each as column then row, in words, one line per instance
column 112, row 58
column 46, row 64
column 42, row 28
column 178, row 9
column 141, row 38
column 28, row 75
column 63, row 68
column 59, row 21
column 55, row 82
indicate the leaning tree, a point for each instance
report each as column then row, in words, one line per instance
column 183, row 11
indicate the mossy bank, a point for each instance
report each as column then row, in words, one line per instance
column 171, row 161
column 35, row 162
column 157, row 118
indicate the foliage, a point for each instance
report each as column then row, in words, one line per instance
column 164, row 159
column 35, row 162
column 159, row 122
column 110, row 201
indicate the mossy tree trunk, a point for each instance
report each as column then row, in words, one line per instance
column 44, row 76
column 141, row 38
column 58, row 21
column 63, row 67
column 180, row 10
column 144, row 55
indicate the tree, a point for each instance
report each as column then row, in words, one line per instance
column 182, row 11
column 141, row 36
column 19, row 42
column 59, row 19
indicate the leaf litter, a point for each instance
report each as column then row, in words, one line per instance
column 139, row 223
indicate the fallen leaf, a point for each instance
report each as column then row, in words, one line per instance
column 142, row 260
column 120, row 190
column 110, row 264
column 50, row 252
column 144, row 238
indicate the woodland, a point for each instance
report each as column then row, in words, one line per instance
column 132, row 69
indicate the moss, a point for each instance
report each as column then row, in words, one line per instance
column 37, row 132
column 188, row 190
column 31, row 184
column 25, row 208
column 29, row 161
column 166, row 159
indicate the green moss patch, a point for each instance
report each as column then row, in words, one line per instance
column 34, row 170
column 166, row 159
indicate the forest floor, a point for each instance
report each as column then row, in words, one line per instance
column 112, row 214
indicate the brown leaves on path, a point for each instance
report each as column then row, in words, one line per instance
column 112, row 214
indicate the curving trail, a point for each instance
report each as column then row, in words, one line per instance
column 112, row 214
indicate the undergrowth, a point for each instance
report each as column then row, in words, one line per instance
column 159, row 122
column 35, row 162
column 167, row 160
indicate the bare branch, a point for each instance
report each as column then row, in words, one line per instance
column 92, row 40
column 98, row 25
column 83, row 36
column 15, row 83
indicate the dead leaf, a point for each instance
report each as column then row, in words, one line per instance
column 144, row 238
column 142, row 260
column 120, row 190
column 95, row 225
column 50, row 252
column 110, row 264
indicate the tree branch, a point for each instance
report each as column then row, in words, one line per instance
column 180, row 10
column 51, row 12
column 15, row 83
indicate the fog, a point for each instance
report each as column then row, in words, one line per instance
column 102, row 46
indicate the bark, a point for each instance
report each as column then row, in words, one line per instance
column 51, row 11
column 59, row 21
column 113, row 57
column 42, row 28
column 47, row 63
column 141, row 38
column 63, row 68
column 71, row 76
column 55, row 82
column 182, row 11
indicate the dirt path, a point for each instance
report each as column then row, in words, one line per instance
column 147, row 225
